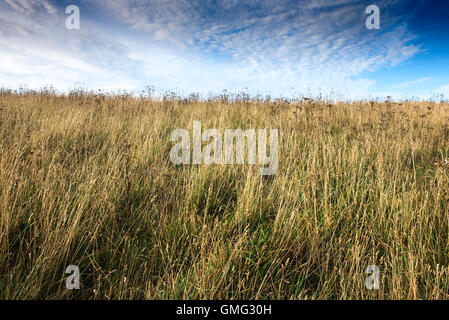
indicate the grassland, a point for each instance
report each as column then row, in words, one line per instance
column 86, row 180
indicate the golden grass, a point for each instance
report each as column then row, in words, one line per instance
column 87, row 180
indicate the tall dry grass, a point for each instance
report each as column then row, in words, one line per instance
column 87, row 180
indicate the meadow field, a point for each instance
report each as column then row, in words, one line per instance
column 86, row 180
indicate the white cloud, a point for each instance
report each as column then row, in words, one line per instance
column 267, row 46
column 409, row 83
column 443, row 90
column 32, row 7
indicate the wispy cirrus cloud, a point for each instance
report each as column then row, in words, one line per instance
column 409, row 83
column 31, row 8
column 277, row 47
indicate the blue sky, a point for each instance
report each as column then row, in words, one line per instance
column 276, row 47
